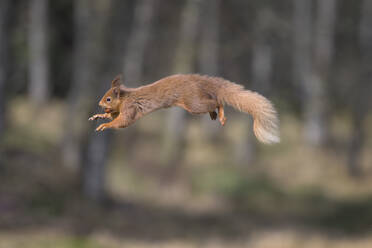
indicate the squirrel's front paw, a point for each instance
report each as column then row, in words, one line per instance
column 94, row 117
column 101, row 127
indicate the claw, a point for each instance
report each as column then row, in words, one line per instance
column 223, row 121
column 93, row 117
column 101, row 127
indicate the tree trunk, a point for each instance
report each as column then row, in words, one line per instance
column 302, row 51
column 184, row 62
column 357, row 140
column 262, row 53
column 38, row 52
column 135, row 51
column 93, row 171
column 262, row 66
column 316, row 109
column 83, row 149
column 312, row 75
column 361, row 101
column 80, row 93
column 185, row 53
column 208, row 54
column 4, row 46
column 302, row 21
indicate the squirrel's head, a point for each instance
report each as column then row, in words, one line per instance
column 110, row 102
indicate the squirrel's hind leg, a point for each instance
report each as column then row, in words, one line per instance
column 213, row 115
column 198, row 106
column 221, row 115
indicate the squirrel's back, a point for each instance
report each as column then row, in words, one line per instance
column 184, row 83
column 193, row 87
column 266, row 123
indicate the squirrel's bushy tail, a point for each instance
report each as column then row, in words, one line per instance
column 265, row 120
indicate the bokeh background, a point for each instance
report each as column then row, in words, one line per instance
column 172, row 179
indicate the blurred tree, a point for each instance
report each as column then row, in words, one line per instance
column 262, row 52
column 81, row 150
column 110, row 61
column 361, row 93
column 209, row 45
column 93, row 171
column 80, row 94
column 316, row 109
column 138, row 39
column 4, row 47
column 183, row 63
column 208, row 52
column 302, row 45
column 38, row 52
column 312, row 72
column 61, row 39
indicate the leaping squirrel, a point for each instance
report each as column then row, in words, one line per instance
column 197, row 94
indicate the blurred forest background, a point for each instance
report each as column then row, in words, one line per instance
column 172, row 179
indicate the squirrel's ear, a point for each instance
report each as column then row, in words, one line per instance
column 116, row 82
column 119, row 91
column 116, row 91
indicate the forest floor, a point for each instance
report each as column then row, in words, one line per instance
column 290, row 195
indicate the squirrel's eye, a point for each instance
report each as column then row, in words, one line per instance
column 108, row 99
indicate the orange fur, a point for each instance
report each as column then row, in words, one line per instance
column 197, row 94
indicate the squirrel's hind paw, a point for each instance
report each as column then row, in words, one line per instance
column 213, row 115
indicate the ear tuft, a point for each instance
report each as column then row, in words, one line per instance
column 116, row 82
column 117, row 91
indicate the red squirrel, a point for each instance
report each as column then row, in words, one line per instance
column 197, row 94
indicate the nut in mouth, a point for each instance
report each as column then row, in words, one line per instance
column 108, row 110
